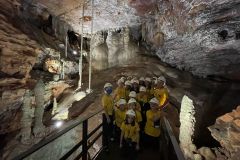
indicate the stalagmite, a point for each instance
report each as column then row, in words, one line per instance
column 187, row 120
column 26, row 120
column 39, row 90
column 63, row 69
column 66, row 43
column 54, row 106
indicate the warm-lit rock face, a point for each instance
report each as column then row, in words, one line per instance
column 18, row 54
column 226, row 132
column 199, row 36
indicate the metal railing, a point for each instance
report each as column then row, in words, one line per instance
column 169, row 146
column 84, row 143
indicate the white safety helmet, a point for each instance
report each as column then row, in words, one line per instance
column 129, row 78
column 154, row 100
column 120, row 81
column 131, row 113
column 128, row 83
column 132, row 94
column 107, row 85
column 135, row 81
column 122, row 102
column 163, row 79
column 142, row 79
column 123, row 79
column 132, row 100
column 148, row 79
column 142, row 89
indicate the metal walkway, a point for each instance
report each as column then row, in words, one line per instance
column 169, row 148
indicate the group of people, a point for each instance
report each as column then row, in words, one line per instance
column 132, row 111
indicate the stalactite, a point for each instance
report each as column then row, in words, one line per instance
column 39, row 92
column 26, row 120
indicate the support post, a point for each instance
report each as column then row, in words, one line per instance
column 81, row 54
column 91, row 50
column 85, row 140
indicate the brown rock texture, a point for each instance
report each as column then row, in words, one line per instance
column 17, row 51
column 226, row 130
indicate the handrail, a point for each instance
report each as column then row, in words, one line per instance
column 173, row 140
column 54, row 136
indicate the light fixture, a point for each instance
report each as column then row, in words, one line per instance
column 74, row 52
column 58, row 124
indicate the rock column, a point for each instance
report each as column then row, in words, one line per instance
column 39, row 91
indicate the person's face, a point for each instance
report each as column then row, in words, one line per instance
column 141, row 82
column 121, row 85
column 121, row 107
column 135, row 85
column 148, row 84
column 160, row 84
column 132, row 106
column 153, row 106
column 130, row 119
column 128, row 87
column 142, row 92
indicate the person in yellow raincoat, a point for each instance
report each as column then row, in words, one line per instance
column 149, row 88
column 120, row 115
column 128, row 87
column 120, row 91
column 133, row 95
column 108, row 105
column 152, row 127
column 161, row 92
column 132, row 104
column 142, row 98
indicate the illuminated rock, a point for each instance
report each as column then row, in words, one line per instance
column 198, row 36
column 53, row 66
column 187, row 120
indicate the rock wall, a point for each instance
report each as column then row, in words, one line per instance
column 198, row 36
column 113, row 48
column 226, row 131
column 18, row 54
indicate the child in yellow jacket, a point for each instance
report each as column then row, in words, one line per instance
column 129, row 139
column 120, row 115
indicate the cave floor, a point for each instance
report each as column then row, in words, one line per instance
column 114, row 154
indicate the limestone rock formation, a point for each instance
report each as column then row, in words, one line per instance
column 39, row 92
column 200, row 36
column 10, row 103
column 187, row 120
column 207, row 153
column 27, row 119
column 226, row 131
column 113, row 48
